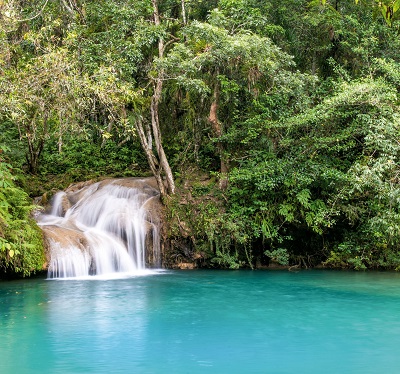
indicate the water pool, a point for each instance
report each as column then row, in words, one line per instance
column 203, row 322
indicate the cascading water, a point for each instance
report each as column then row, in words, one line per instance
column 102, row 229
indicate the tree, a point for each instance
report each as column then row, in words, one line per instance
column 148, row 134
column 388, row 9
column 232, row 70
column 46, row 90
column 330, row 185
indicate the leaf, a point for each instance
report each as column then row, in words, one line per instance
column 11, row 253
column 286, row 210
column 4, row 244
column 396, row 6
column 303, row 197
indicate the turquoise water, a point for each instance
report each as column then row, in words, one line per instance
column 203, row 322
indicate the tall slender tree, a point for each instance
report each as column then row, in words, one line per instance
column 149, row 134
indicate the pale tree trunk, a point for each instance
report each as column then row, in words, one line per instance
column 183, row 12
column 157, row 136
column 145, row 137
column 147, row 134
column 217, row 128
column 71, row 6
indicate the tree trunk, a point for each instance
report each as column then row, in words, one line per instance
column 147, row 134
column 183, row 12
column 35, row 144
column 157, row 136
column 217, row 128
column 33, row 155
column 146, row 142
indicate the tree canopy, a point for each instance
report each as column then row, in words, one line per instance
column 271, row 127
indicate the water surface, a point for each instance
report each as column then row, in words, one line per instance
column 203, row 322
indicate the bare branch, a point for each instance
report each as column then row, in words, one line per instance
column 30, row 18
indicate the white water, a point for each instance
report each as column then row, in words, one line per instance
column 100, row 230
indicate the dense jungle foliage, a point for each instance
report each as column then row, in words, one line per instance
column 271, row 127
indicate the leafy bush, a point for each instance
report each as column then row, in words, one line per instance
column 332, row 178
column 90, row 158
column 21, row 242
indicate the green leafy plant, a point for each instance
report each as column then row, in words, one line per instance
column 21, row 242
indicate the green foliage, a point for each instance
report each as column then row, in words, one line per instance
column 306, row 121
column 197, row 212
column 92, row 158
column 21, row 242
column 279, row 255
column 335, row 177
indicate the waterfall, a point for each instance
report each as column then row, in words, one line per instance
column 102, row 229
